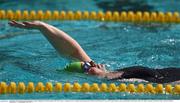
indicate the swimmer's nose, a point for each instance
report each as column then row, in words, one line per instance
column 103, row 65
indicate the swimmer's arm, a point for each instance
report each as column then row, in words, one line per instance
column 61, row 41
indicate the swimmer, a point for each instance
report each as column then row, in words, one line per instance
column 69, row 47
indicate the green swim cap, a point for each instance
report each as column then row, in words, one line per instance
column 74, row 67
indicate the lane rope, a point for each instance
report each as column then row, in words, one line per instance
column 30, row 87
column 115, row 16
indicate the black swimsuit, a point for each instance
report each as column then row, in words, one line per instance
column 164, row 75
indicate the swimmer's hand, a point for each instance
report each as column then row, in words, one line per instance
column 26, row 24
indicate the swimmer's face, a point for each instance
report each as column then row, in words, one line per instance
column 98, row 69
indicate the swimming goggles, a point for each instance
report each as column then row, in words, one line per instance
column 88, row 65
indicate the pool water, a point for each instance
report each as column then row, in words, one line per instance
column 26, row 55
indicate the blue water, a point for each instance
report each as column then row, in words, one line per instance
column 26, row 55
